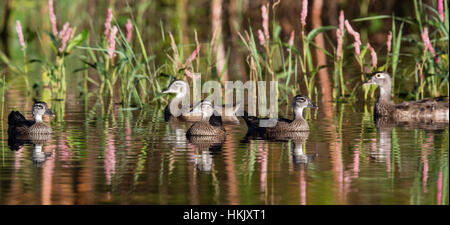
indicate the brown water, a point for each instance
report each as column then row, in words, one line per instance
column 134, row 157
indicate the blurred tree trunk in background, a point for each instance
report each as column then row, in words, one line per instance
column 324, row 79
column 4, row 32
column 216, row 27
column 236, row 65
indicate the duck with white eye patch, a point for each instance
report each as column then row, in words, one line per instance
column 427, row 109
column 181, row 89
column 19, row 125
column 209, row 125
column 284, row 128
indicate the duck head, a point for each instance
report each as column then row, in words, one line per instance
column 178, row 87
column 207, row 109
column 382, row 80
column 301, row 102
column 40, row 109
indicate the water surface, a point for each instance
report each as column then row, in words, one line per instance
column 134, row 157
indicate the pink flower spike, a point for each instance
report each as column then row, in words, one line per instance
column 339, row 34
column 112, row 42
column 427, row 42
column 63, row 31
column 262, row 41
column 373, row 54
column 441, row 9
column 389, row 42
column 20, row 34
column 129, row 28
column 65, row 39
column 357, row 42
column 291, row 38
column 193, row 55
column 189, row 74
column 341, row 21
column 52, row 17
column 265, row 21
column 108, row 22
column 304, row 12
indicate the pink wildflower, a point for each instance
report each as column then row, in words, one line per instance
column 63, row 31
column 265, row 21
column 65, row 38
column 427, row 42
column 357, row 42
column 389, row 42
column 20, row 34
column 112, row 42
column 52, row 17
column 291, row 38
column 108, row 22
column 339, row 34
column 129, row 27
column 304, row 12
column 262, row 41
column 441, row 9
column 189, row 74
column 341, row 21
column 373, row 54
column 193, row 55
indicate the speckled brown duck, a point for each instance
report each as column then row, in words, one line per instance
column 428, row 109
column 181, row 89
column 30, row 129
column 284, row 128
column 209, row 125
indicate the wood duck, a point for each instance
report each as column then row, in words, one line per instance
column 434, row 109
column 19, row 125
column 283, row 127
column 181, row 89
column 209, row 125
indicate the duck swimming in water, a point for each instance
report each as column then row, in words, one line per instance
column 283, row 127
column 209, row 125
column 427, row 109
column 181, row 89
column 19, row 125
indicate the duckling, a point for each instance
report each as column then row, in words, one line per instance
column 434, row 109
column 19, row 125
column 181, row 89
column 283, row 127
column 209, row 125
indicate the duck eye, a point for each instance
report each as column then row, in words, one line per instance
column 302, row 99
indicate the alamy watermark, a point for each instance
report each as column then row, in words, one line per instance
column 257, row 98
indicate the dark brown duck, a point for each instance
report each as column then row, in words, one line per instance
column 19, row 125
column 427, row 109
column 283, row 126
column 209, row 125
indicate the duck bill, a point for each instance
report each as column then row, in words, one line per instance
column 369, row 82
column 311, row 105
column 168, row 90
column 48, row 112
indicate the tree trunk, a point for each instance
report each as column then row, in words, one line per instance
column 216, row 25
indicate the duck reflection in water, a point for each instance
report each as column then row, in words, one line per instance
column 39, row 155
column 382, row 151
column 205, row 147
column 299, row 156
